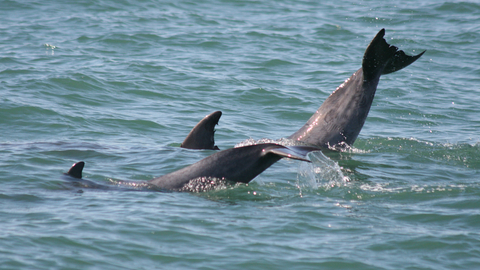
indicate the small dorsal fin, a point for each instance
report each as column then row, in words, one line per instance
column 76, row 169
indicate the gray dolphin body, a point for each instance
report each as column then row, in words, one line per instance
column 340, row 118
column 240, row 164
column 202, row 135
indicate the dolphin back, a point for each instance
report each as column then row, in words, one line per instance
column 240, row 164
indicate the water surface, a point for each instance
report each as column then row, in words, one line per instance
column 119, row 84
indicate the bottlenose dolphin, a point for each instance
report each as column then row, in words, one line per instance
column 202, row 135
column 240, row 164
column 338, row 121
column 76, row 172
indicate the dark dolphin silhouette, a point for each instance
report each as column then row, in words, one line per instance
column 338, row 121
column 76, row 170
column 240, row 164
column 202, row 135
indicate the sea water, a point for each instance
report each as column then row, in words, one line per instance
column 119, row 84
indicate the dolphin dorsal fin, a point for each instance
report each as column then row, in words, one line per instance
column 76, row 169
column 202, row 135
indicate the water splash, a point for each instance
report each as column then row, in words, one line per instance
column 49, row 46
column 204, row 184
column 282, row 141
column 321, row 173
column 49, row 49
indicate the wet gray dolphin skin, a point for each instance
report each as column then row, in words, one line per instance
column 340, row 118
column 76, row 170
column 240, row 164
column 202, row 135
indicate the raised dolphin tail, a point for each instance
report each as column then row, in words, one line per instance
column 399, row 61
column 294, row 152
column 202, row 135
column 383, row 58
column 76, row 169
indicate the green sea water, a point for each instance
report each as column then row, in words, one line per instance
column 119, row 84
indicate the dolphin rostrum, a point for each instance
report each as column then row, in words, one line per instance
column 202, row 135
column 240, row 164
column 338, row 121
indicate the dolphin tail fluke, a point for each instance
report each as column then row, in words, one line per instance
column 297, row 152
column 383, row 58
column 399, row 61
column 202, row 135
column 76, row 169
